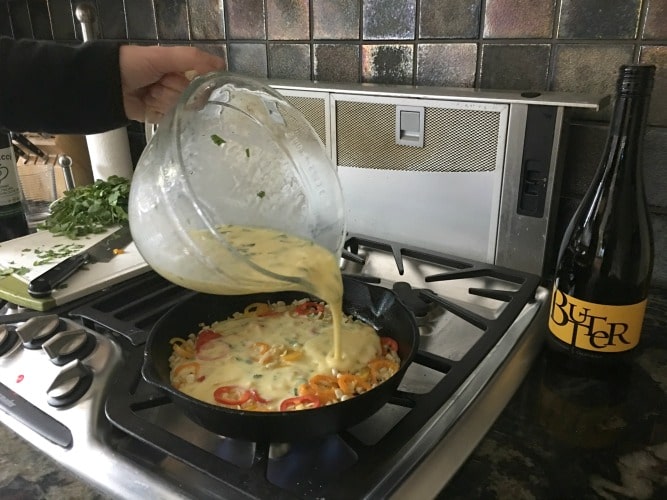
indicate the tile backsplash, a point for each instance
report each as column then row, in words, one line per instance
column 536, row 45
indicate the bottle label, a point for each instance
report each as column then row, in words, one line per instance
column 9, row 182
column 595, row 327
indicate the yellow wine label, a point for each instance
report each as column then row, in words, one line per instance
column 595, row 327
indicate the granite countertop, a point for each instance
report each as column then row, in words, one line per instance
column 565, row 436
column 561, row 436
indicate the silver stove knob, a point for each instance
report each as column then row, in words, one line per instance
column 70, row 384
column 65, row 346
column 37, row 330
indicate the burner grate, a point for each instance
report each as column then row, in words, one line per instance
column 373, row 450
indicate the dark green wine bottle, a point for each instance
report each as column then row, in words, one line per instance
column 13, row 222
column 605, row 262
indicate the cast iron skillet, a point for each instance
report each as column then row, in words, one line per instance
column 377, row 306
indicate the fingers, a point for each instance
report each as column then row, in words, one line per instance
column 163, row 95
column 187, row 59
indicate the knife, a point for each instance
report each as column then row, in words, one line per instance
column 103, row 251
column 27, row 143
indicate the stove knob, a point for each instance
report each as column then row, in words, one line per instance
column 65, row 346
column 8, row 339
column 38, row 330
column 70, row 384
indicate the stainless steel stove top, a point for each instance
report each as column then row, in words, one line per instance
column 481, row 327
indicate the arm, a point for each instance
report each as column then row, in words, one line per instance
column 93, row 87
column 49, row 87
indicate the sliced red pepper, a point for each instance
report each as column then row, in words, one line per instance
column 389, row 344
column 309, row 307
column 232, row 395
column 307, row 400
column 204, row 337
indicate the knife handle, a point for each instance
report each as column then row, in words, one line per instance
column 43, row 285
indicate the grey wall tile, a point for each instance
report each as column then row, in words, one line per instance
column 289, row 60
column 219, row 49
column 336, row 63
column 589, row 69
column 288, row 19
column 447, row 64
column 389, row 19
column 515, row 67
column 141, row 22
column 657, row 55
column 248, row 59
column 449, row 18
column 519, row 18
column 597, row 19
column 172, row 20
column 207, row 19
column 21, row 26
column 40, row 19
column 655, row 24
column 5, row 21
column 62, row 20
column 111, row 18
column 654, row 163
column 387, row 64
column 246, row 19
column 336, row 20
column 659, row 224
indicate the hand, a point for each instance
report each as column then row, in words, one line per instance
column 153, row 78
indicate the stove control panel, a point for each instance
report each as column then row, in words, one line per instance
column 53, row 375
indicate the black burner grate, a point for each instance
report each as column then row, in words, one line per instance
column 148, row 416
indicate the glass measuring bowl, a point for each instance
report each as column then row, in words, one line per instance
column 232, row 152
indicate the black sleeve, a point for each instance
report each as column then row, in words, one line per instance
column 49, row 87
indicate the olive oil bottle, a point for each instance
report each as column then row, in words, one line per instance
column 13, row 222
column 602, row 278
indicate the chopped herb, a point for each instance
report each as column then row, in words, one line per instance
column 90, row 209
column 257, row 375
column 261, row 194
column 217, row 140
column 57, row 252
column 247, row 152
column 14, row 270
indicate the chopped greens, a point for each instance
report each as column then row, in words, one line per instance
column 90, row 209
column 261, row 194
column 247, row 152
column 20, row 271
column 217, row 140
column 56, row 252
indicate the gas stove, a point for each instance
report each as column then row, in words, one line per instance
column 70, row 383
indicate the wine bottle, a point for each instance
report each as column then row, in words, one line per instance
column 605, row 261
column 13, row 221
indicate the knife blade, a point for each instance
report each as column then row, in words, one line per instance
column 102, row 251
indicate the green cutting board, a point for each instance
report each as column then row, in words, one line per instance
column 22, row 253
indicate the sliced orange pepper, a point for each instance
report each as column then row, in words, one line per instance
column 291, row 355
column 262, row 347
column 376, row 365
column 192, row 365
column 349, row 382
column 323, row 393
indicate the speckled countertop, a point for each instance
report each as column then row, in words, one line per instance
column 561, row 436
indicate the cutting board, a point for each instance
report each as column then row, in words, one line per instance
column 20, row 253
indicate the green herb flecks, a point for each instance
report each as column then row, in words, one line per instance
column 261, row 194
column 217, row 140
column 60, row 251
column 247, row 153
column 20, row 271
column 90, row 209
